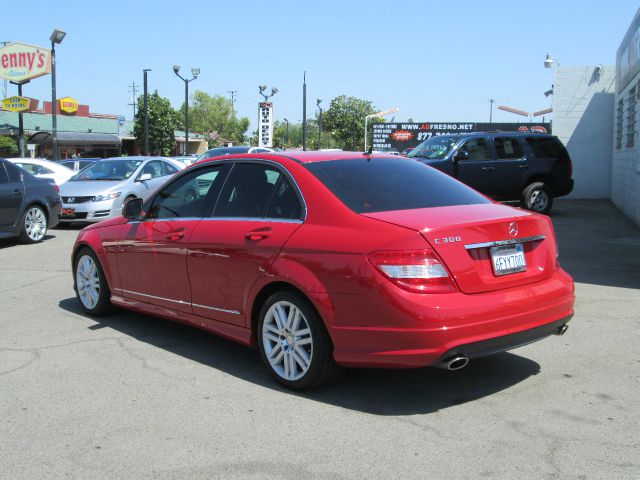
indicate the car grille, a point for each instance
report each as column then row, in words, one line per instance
column 76, row 215
column 101, row 213
column 76, row 199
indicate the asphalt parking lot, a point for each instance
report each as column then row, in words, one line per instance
column 131, row 396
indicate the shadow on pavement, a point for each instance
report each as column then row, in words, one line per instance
column 378, row 392
column 598, row 244
column 14, row 241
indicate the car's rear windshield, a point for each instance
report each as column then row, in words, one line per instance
column 386, row 184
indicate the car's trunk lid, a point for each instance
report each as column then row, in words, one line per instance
column 463, row 237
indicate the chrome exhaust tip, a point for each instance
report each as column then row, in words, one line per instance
column 563, row 329
column 456, row 363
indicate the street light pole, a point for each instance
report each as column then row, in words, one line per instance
column 286, row 138
column 318, row 102
column 304, row 112
column 146, row 111
column 56, row 38
column 195, row 72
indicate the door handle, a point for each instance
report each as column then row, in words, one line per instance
column 17, row 193
column 523, row 167
column 488, row 169
column 175, row 236
column 260, row 234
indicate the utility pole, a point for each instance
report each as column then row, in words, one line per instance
column 146, row 112
column 134, row 91
column 491, row 102
column 304, row 112
column 233, row 94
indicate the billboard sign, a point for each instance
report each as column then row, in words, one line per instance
column 265, row 124
column 20, row 62
column 400, row 136
column 16, row 104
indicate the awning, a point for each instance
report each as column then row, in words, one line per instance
column 76, row 139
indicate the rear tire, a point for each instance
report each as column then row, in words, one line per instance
column 537, row 197
column 90, row 284
column 294, row 344
column 34, row 225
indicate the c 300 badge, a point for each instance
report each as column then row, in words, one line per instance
column 445, row 240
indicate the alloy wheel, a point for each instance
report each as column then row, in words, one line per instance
column 88, row 282
column 287, row 340
column 35, row 224
column 539, row 200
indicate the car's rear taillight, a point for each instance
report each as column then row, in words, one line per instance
column 419, row 271
column 55, row 185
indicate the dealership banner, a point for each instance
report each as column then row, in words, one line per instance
column 400, row 136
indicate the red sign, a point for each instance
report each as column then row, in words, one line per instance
column 402, row 136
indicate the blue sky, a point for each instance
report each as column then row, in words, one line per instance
column 436, row 61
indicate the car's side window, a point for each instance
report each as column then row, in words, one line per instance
column 3, row 174
column 284, row 202
column 477, row 148
column 247, row 191
column 507, row 148
column 188, row 196
column 154, row 168
column 35, row 169
column 14, row 173
column 169, row 169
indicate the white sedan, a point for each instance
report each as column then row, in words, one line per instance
column 44, row 169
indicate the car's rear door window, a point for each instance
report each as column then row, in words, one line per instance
column 507, row 148
column 247, row 191
column 284, row 202
column 385, row 184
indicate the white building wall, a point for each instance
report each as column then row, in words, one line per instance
column 625, row 168
column 583, row 111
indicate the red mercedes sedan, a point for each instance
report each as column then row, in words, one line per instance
column 331, row 259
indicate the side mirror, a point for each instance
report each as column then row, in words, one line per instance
column 144, row 177
column 461, row 155
column 132, row 209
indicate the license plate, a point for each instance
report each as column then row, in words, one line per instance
column 68, row 212
column 508, row 259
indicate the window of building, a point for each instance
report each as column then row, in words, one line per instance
column 619, row 122
column 631, row 119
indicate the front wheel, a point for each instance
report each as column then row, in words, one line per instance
column 91, row 284
column 34, row 225
column 293, row 342
column 537, row 197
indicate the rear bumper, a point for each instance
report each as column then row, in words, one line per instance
column 504, row 343
column 563, row 187
column 421, row 330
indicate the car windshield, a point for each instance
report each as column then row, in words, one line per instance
column 383, row 184
column 435, row 148
column 108, row 170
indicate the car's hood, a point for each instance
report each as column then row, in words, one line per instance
column 88, row 188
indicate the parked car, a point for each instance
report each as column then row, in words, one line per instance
column 28, row 205
column 220, row 151
column 332, row 259
column 185, row 159
column 44, row 169
column 78, row 164
column 98, row 191
column 407, row 151
column 530, row 167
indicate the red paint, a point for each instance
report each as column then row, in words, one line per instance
column 334, row 257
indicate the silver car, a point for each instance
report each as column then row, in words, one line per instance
column 99, row 191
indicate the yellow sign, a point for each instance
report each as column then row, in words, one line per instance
column 16, row 104
column 68, row 105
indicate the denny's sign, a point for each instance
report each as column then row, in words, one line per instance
column 20, row 62
column 68, row 105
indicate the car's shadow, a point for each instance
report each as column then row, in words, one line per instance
column 14, row 241
column 379, row 392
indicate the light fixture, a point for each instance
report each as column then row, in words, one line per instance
column 262, row 88
column 57, row 36
column 318, row 102
column 548, row 92
column 195, row 72
column 274, row 90
column 549, row 61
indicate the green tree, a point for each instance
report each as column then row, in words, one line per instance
column 163, row 121
column 214, row 117
column 8, row 147
column 344, row 119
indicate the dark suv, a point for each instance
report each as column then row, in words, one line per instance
column 530, row 167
